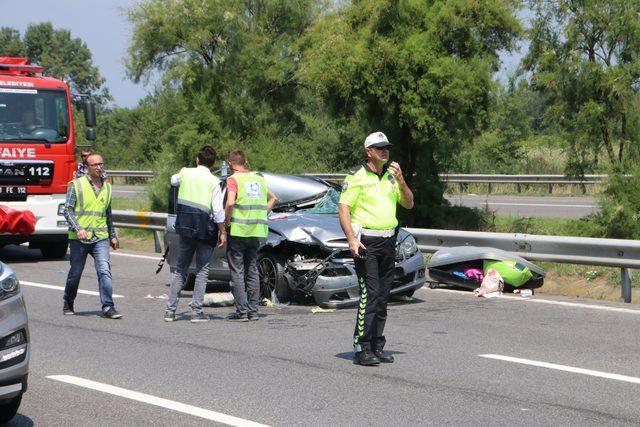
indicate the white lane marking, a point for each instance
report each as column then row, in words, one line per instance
column 61, row 288
column 551, row 302
column 565, row 368
column 157, row 401
column 136, row 256
column 542, row 204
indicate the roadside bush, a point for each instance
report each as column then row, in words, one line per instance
column 620, row 206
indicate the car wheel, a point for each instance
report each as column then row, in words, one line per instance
column 189, row 283
column 55, row 249
column 9, row 408
column 272, row 280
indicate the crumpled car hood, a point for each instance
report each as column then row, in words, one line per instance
column 321, row 229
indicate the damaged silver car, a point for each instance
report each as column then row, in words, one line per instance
column 306, row 252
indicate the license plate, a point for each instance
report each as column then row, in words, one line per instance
column 13, row 192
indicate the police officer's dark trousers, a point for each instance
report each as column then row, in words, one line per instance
column 375, row 277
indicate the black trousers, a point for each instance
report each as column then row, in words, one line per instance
column 375, row 277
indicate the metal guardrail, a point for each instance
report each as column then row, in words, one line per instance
column 141, row 220
column 446, row 177
column 621, row 253
column 131, row 174
column 454, row 178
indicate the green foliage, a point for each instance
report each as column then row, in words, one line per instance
column 62, row 57
column 228, row 79
column 418, row 70
column 619, row 216
column 584, row 57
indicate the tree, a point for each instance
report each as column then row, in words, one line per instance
column 584, row 57
column 61, row 56
column 228, row 68
column 421, row 71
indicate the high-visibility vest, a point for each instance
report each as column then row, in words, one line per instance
column 371, row 199
column 91, row 208
column 196, row 188
column 249, row 217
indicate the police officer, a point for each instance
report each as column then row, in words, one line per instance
column 199, row 197
column 91, row 231
column 248, row 202
column 367, row 213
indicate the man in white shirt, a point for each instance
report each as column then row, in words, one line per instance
column 199, row 199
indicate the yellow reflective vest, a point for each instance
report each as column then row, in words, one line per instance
column 91, row 208
column 249, row 217
column 372, row 199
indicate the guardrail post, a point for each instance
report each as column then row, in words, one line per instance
column 550, row 188
column 156, row 241
column 518, row 187
column 626, row 284
column 489, row 188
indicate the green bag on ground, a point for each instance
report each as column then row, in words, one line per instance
column 513, row 273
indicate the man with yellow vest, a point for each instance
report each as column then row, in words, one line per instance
column 88, row 212
column 248, row 202
column 199, row 204
column 367, row 212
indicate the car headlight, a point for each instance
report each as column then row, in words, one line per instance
column 9, row 286
column 406, row 248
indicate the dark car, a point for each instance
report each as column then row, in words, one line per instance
column 306, row 252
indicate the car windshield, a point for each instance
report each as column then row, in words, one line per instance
column 327, row 205
column 28, row 115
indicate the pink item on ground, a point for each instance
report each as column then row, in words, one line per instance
column 491, row 284
column 474, row 273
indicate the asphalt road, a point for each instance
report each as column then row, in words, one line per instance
column 576, row 364
column 548, row 206
column 529, row 206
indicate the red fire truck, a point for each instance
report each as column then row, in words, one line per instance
column 37, row 151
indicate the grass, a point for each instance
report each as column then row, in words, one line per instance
column 591, row 190
column 134, row 240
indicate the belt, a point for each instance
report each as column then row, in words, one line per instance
column 378, row 233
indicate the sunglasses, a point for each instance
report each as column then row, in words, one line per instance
column 381, row 148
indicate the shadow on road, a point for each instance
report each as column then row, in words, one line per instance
column 20, row 420
column 14, row 254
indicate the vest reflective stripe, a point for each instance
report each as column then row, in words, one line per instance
column 91, row 208
column 248, row 221
column 90, row 213
column 194, row 205
column 249, row 217
column 196, row 188
column 251, row 207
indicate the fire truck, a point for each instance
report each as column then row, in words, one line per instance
column 37, row 151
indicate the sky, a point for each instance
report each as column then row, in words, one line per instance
column 102, row 25
column 99, row 23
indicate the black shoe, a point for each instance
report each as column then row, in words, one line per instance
column 169, row 316
column 237, row 317
column 67, row 308
column 366, row 358
column 252, row 317
column 112, row 313
column 384, row 358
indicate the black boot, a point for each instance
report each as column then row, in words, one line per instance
column 366, row 358
column 384, row 358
